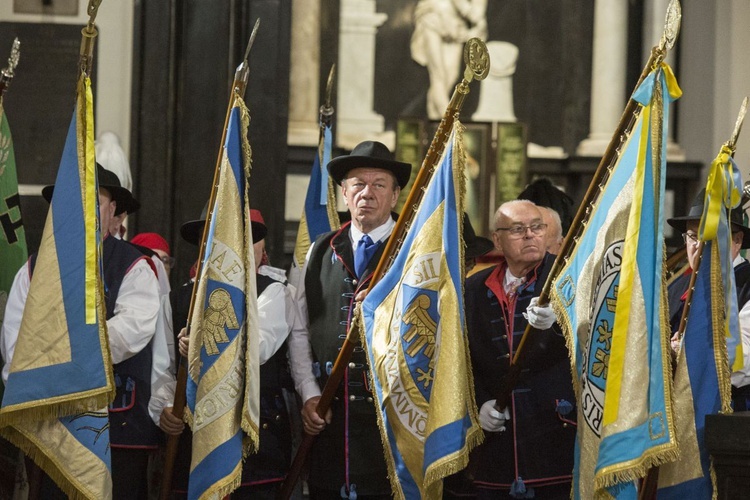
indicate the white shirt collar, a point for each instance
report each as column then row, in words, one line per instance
column 380, row 233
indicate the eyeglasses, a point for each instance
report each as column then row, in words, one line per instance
column 690, row 238
column 167, row 260
column 519, row 231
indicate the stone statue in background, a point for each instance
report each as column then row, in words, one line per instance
column 496, row 91
column 441, row 27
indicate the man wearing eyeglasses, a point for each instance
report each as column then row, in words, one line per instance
column 528, row 445
column 688, row 225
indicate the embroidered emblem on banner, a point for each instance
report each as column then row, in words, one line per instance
column 220, row 313
column 420, row 319
column 420, row 328
column 599, row 345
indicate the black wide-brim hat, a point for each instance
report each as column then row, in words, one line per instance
column 476, row 246
column 109, row 181
column 192, row 230
column 696, row 210
column 369, row 154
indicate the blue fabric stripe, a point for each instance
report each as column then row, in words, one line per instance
column 316, row 211
column 445, row 440
column 92, row 431
column 698, row 350
column 327, row 147
column 216, row 465
column 233, row 147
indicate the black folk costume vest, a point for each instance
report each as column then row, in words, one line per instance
column 271, row 463
column 347, row 456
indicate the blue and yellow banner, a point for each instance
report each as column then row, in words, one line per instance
column 415, row 336
column 60, row 380
column 223, row 387
column 710, row 346
column 611, row 300
column 319, row 215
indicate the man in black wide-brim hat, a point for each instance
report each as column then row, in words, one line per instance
column 688, row 226
column 347, row 459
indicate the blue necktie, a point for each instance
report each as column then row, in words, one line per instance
column 362, row 255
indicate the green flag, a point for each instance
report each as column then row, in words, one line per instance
column 13, row 253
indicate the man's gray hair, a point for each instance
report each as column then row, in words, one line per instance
column 510, row 204
column 556, row 222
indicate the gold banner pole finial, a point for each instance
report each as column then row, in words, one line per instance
column 88, row 34
column 671, row 26
column 7, row 74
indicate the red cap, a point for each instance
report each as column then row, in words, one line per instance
column 258, row 225
column 152, row 241
column 256, row 216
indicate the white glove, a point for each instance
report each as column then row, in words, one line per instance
column 539, row 317
column 492, row 420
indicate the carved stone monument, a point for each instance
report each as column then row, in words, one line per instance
column 441, row 27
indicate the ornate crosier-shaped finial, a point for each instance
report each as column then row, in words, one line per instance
column 15, row 55
column 671, row 25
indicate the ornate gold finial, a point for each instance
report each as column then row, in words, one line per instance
column 671, row 25
column 15, row 55
column 738, row 125
column 477, row 60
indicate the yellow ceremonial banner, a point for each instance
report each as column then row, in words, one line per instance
column 60, row 378
column 223, row 388
column 415, row 336
column 610, row 298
